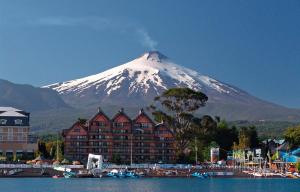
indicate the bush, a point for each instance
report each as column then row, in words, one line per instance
column 298, row 166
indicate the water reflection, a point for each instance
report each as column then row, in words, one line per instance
column 147, row 185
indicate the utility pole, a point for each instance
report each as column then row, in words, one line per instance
column 131, row 149
column 196, row 151
column 57, row 148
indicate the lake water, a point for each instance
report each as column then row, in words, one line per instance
column 147, row 185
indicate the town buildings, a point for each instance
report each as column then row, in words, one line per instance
column 15, row 140
column 120, row 139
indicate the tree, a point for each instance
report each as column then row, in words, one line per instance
column 292, row 135
column 204, row 129
column 55, row 149
column 116, row 159
column 254, row 141
column 175, row 107
column 247, row 138
column 42, row 150
column 82, row 121
column 48, row 145
column 244, row 142
column 225, row 137
column 203, row 132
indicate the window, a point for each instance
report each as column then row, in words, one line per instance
column 10, row 134
column 101, row 124
column 20, row 137
column 144, row 125
column 101, row 136
column 18, row 121
column 10, row 138
column 76, row 130
column 119, row 125
column 3, row 121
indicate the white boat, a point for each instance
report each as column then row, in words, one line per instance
column 257, row 174
column 297, row 174
column 61, row 168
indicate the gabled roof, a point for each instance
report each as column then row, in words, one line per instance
column 100, row 112
column 280, row 142
column 283, row 147
column 162, row 124
column 142, row 112
column 121, row 112
column 9, row 109
column 11, row 114
column 65, row 131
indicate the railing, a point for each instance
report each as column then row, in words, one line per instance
column 147, row 166
column 28, row 166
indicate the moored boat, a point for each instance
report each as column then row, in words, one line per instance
column 257, row 174
column 69, row 174
column 200, row 175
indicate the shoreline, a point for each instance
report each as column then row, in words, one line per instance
column 161, row 173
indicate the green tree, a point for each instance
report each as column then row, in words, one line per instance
column 116, row 159
column 298, row 166
column 42, row 150
column 82, row 120
column 292, row 135
column 247, row 138
column 254, row 141
column 207, row 129
column 203, row 131
column 225, row 137
column 206, row 150
column 175, row 107
column 55, row 149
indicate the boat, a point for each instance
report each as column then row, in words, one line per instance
column 62, row 168
column 297, row 175
column 291, row 175
column 122, row 174
column 205, row 175
column 131, row 174
column 113, row 173
column 68, row 175
column 55, row 176
column 14, row 171
column 200, row 175
column 257, row 174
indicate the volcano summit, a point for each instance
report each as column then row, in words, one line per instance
column 136, row 83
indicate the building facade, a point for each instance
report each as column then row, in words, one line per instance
column 15, row 140
column 120, row 139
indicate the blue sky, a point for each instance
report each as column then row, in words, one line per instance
column 254, row 45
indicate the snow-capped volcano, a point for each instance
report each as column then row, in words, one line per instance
column 149, row 74
column 150, row 71
column 137, row 82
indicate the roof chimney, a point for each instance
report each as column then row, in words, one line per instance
column 121, row 110
column 141, row 110
column 99, row 110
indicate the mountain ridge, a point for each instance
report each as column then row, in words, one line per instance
column 28, row 97
column 137, row 82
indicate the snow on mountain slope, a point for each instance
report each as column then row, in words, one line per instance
column 136, row 83
column 152, row 71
